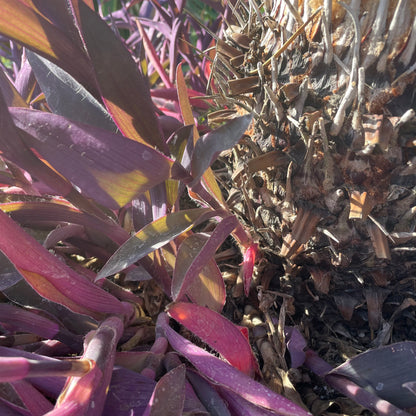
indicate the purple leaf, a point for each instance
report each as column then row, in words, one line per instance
column 108, row 167
column 169, row 394
column 216, row 331
column 66, row 96
column 17, row 319
column 33, row 211
column 13, row 285
column 36, row 402
column 208, row 147
column 183, row 278
column 207, row 288
column 123, row 88
column 242, row 407
column 383, row 371
column 87, row 394
column 128, row 393
column 350, row 389
column 150, row 238
column 295, row 345
column 208, row 395
column 227, row 376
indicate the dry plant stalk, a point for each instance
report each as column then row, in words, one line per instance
column 329, row 164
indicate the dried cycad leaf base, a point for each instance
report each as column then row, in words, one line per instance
column 325, row 178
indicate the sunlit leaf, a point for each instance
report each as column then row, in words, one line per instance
column 150, row 238
column 183, row 278
column 50, row 277
column 123, row 88
column 206, row 288
column 87, row 394
column 24, row 23
column 108, row 167
column 216, row 331
column 223, row 374
column 188, row 118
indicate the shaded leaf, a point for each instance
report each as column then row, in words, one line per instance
column 208, row 395
column 183, row 278
column 169, row 394
column 33, row 400
column 384, row 371
column 66, row 96
column 123, row 88
column 108, row 167
column 209, row 146
column 350, row 389
column 150, row 238
column 216, row 331
column 17, row 319
column 128, row 394
column 225, row 375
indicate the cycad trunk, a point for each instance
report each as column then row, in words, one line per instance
column 325, row 178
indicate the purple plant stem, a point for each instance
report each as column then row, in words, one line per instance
column 348, row 388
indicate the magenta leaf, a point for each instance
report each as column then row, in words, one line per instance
column 108, row 167
column 209, row 146
column 223, row 374
column 34, row 401
column 216, row 331
column 242, row 407
column 249, row 259
column 50, row 277
column 182, row 279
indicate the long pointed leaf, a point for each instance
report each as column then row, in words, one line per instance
column 208, row 147
column 27, row 26
column 169, row 395
column 183, row 278
column 216, row 331
column 227, row 376
column 123, row 88
column 108, row 167
column 188, row 119
column 50, row 277
column 207, row 288
column 150, row 238
column 66, row 96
